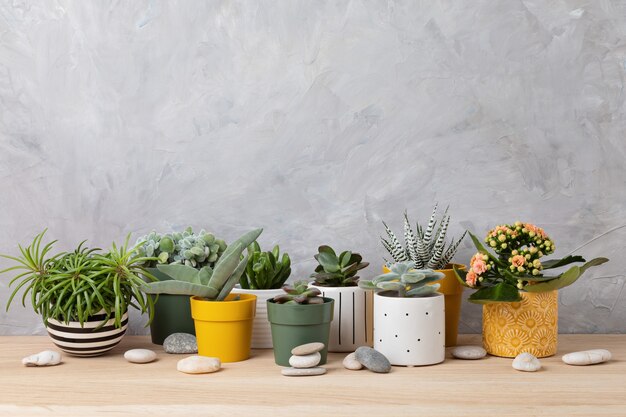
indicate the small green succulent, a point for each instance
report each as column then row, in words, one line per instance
column 405, row 281
column 265, row 270
column 337, row 271
column 299, row 293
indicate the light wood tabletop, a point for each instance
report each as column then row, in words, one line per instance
column 109, row 385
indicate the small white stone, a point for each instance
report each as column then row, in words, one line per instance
column 198, row 365
column 303, row 372
column 350, row 362
column 44, row 358
column 469, row 352
column 140, row 355
column 526, row 362
column 305, row 361
column 587, row 357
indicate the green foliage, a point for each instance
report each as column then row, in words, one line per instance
column 405, row 281
column 426, row 247
column 184, row 248
column 299, row 293
column 337, row 271
column 265, row 270
column 206, row 282
column 72, row 286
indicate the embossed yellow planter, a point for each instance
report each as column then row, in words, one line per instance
column 528, row 326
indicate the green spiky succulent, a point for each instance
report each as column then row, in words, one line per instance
column 405, row 281
column 299, row 293
column 206, row 282
column 337, row 271
column 184, row 248
column 265, row 270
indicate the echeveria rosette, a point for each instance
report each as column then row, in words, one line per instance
column 405, row 281
column 516, row 265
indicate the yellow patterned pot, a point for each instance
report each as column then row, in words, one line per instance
column 528, row 326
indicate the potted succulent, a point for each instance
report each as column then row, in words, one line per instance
column 299, row 316
column 83, row 295
column 223, row 321
column 172, row 312
column 336, row 278
column 520, row 303
column 265, row 274
column 409, row 319
column 427, row 247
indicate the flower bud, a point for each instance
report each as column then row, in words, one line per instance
column 520, row 285
column 533, row 250
column 527, row 256
column 503, row 246
column 520, row 269
column 492, row 243
column 535, row 272
column 515, row 252
column 531, row 234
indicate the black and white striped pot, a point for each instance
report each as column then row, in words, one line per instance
column 352, row 324
column 83, row 340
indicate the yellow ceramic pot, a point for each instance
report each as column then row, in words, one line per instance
column 224, row 328
column 527, row 326
column 452, row 292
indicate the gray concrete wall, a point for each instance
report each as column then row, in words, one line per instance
column 315, row 120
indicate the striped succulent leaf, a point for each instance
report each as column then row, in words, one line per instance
column 428, row 233
column 437, row 253
column 397, row 251
column 409, row 239
column 451, row 251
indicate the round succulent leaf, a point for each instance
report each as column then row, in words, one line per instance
column 166, row 244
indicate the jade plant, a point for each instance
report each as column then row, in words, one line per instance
column 299, row 293
column 517, row 266
column 265, row 270
column 427, row 247
column 405, row 281
column 206, row 282
column 337, row 271
column 186, row 248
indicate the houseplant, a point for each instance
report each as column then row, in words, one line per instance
column 223, row 321
column 172, row 312
column 83, row 295
column 265, row 274
column 520, row 303
column 409, row 318
column 299, row 316
column 428, row 247
column 336, row 277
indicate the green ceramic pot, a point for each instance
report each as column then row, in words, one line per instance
column 295, row 324
column 172, row 313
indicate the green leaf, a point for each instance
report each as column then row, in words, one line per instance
column 566, row 278
column 502, row 292
column 329, row 261
column 180, row 273
column 179, row 287
column 460, row 276
column 344, row 258
column 555, row 263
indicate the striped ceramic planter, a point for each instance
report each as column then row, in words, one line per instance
column 352, row 324
column 261, row 332
column 83, row 340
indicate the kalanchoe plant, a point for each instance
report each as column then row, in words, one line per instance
column 426, row 246
column 299, row 293
column 185, row 248
column 265, row 270
column 516, row 265
column 405, row 281
column 337, row 271
column 206, row 282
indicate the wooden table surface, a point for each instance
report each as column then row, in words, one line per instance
column 109, row 385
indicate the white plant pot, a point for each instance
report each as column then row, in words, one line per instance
column 261, row 332
column 352, row 324
column 410, row 331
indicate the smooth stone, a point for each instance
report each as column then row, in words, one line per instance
column 303, row 371
column 198, row 365
column 372, row 359
column 526, row 362
column 469, row 352
column 307, row 349
column 43, row 358
column 140, row 355
column 180, row 343
column 350, row 362
column 305, row 361
column 587, row 357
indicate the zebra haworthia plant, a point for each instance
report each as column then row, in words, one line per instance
column 405, row 281
column 426, row 247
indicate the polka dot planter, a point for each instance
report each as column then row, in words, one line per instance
column 410, row 331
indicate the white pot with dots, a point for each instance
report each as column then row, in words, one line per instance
column 410, row 331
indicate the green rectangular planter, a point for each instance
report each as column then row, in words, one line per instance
column 296, row 324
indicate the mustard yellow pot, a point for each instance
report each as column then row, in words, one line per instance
column 452, row 292
column 224, row 328
column 527, row 326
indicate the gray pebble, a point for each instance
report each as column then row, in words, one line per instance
column 180, row 343
column 307, row 349
column 372, row 359
column 469, row 352
column 303, row 372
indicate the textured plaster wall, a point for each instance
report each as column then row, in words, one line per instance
column 315, row 120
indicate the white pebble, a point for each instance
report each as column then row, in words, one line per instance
column 469, row 352
column 307, row 348
column 303, row 372
column 350, row 362
column 198, row 365
column 587, row 357
column 140, row 355
column 526, row 362
column 44, row 358
column 305, row 361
